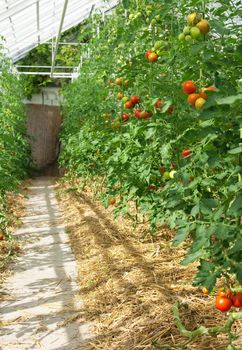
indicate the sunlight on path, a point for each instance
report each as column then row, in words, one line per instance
column 40, row 309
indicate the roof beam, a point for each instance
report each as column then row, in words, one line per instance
column 16, row 9
column 63, row 75
column 58, row 37
column 37, row 15
column 56, row 67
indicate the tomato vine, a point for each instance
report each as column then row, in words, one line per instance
column 14, row 146
column 202, row 198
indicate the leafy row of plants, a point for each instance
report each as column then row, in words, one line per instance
column 14, row 146
column 130, row 120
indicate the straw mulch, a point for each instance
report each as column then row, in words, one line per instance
column 129, row 284
column 9, row 248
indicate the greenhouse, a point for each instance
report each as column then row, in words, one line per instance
column 120, row 174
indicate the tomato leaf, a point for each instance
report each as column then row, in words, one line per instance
column 191, row 258
column 181, row 235
column 228, row 100
column 236, row 206
column 236, row 150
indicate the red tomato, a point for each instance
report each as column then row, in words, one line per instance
column 137, row 113
column 1, row 237
column 129, row 105
column 209, row 88
column 192, row 98
column 152, row 187
column 202, row 94
column 186, row 153
column 152, row 57
column 145, row 115
column 237, row 299
column 222, row 303
column 222, row 292
column 189, row 87
column 158, row 104
column 112, row 201
column 125, row 117
column 134, row 100
column 147, row 54
column 170, row 109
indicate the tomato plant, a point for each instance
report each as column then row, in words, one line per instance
column 202, row 200
column 14, row 147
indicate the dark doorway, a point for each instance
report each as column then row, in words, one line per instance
column 43, row 127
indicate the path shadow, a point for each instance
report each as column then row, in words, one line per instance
column 58, row 287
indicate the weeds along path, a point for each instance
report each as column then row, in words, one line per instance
column 40, row 308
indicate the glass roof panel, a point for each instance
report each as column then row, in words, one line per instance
column 25, row 23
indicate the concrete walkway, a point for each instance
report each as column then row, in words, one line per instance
column 40, row 308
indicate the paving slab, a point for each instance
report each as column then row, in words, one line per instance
column 41, row 308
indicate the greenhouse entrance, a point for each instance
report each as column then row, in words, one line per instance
column 43, row 122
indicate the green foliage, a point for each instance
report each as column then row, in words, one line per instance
column 203, row 200
column 14, row 147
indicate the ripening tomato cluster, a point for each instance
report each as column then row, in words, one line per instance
column 153, row 54
column 226, row 299
column 120, row 82
column 196, row 27
column 196, row 99
column 168, row 175
column 139, row 113
column 134, row 100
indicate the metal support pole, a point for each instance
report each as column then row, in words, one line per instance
column 38, row 22
column 58, row 37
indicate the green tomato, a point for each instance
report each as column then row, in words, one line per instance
column 166, row 175
column 125, row 99
column 149, row 13
column 172, row 173
column 138, row 14
column 158, row 44
column 195, row 32
column 157, row 17
column 186, row 30
column 188, row 37
column 131, row 16
column 153, row 22
column 181, row 36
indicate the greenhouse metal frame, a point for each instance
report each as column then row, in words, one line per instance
column 25, row 24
